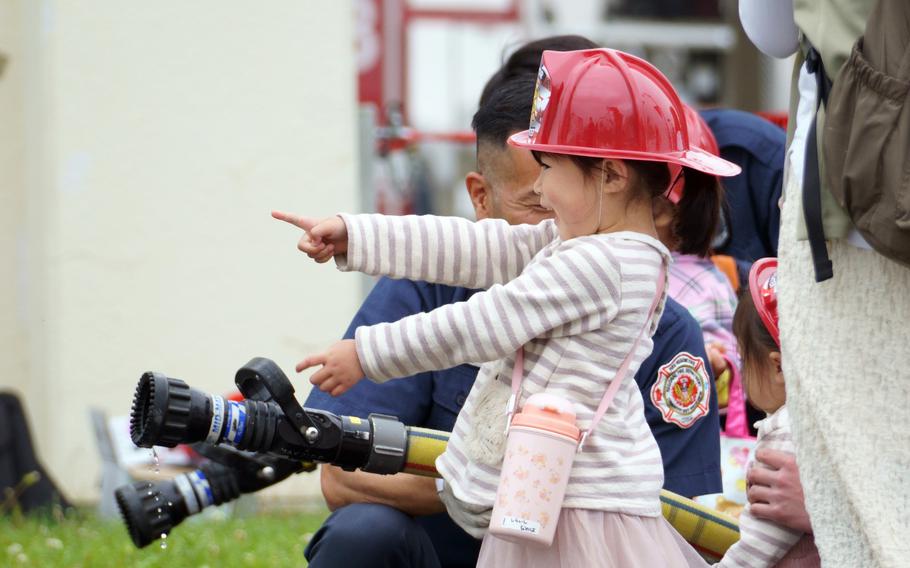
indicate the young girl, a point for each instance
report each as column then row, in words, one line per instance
column 696, row 283
column 763, row 543
column 573, row 293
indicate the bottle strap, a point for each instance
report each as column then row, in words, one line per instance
column 518, row 371
column 518, row 368
column 624, row 368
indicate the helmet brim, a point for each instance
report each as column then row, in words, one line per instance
column 694, row 158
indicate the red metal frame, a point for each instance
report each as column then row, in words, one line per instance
column 510, row 14
column 479, row 17
column 398, row 16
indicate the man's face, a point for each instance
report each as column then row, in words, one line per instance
column 509, row 175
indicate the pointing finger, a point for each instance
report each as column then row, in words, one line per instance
column 311, row 361
column 305, row 223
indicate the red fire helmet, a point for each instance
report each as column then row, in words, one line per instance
column 605, row 103
column 763, row 288
column 700, row 134
column 701, row 137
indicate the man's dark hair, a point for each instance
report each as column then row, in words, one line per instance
column 505, row 104
column 526, row 59
column 506, row 110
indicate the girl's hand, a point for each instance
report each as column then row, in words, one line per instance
column 340, row 367
column 322, row 238
column 716, row 352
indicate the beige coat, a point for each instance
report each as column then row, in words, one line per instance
column 846, row 358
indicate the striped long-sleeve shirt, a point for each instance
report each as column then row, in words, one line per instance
column 576, row 306
column 762, row 544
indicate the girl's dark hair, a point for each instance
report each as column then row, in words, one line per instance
column 697, row 213
column 755, row 342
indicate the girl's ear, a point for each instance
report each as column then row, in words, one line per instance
column 615, row 176
column 774, row 356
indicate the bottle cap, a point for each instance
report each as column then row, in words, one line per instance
column 548, row 412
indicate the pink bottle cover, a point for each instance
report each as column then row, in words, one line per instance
column 542, row 444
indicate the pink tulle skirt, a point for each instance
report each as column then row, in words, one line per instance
column 586, row 539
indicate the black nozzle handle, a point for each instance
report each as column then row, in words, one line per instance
column 261, row 379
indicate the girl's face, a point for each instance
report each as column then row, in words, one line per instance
column 764, row 384
column 564, row 189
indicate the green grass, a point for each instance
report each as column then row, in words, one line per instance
column 79, row 539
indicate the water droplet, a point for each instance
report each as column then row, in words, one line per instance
column 163, row 540
column 169, row 504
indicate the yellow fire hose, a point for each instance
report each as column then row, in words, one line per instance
column 710, row 532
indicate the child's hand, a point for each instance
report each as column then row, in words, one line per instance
column 716, row 352
column 340, row 367
column 322, row 238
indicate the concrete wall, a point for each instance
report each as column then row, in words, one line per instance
column 142, row 146
column 11, row 198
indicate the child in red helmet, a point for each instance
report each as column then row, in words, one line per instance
column 700, row 286
column 763, row 543
column 577, row 296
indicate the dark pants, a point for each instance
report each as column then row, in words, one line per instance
column 367, row 536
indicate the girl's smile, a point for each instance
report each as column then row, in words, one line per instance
column 588, row 203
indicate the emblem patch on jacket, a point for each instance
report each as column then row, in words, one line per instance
column 682, row 391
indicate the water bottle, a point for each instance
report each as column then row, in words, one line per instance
column 540, row 448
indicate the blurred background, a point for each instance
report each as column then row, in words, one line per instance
column 142, row 146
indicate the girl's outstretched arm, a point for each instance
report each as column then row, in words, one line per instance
column 571, row 292
column 443, row 250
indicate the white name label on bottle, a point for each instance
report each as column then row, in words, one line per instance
column 521, row 525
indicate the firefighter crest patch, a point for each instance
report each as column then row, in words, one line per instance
column 682, row 391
